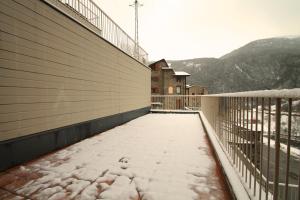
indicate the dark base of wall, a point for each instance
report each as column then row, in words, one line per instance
column 19, row 150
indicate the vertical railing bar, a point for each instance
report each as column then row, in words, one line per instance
column 166, row 103
column 78, row 6
column 299, row 181
column 226, row 123
column 229, row 127
column 251, row 131
column 98, row 18
column 255, row 145
column 240, row 132
column 234, row 130
column 85, row 10
column 219, row 118
column 243, row 136
column 268, row 151
column 277, row 147
column 288, row 148
column 261, row 145
column 237, row 131
column 229, row 124
column 231, row 113
column 247, row 138
column 223, row 119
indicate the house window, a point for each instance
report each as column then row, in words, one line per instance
column 154, row 90
column 156, row 67
column 178, row 89
column 178, row 79
column 170, row 90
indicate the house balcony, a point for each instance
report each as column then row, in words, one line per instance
column 227, row 146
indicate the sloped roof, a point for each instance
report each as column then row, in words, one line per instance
column 161, row 60
column 176, row 73
column 181, row 73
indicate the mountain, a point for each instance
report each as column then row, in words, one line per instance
column 272, row 63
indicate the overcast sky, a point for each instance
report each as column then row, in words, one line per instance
column 182, row 29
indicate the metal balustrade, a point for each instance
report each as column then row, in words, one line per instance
column 176, row 102
column 259, row 131
column 110, row 30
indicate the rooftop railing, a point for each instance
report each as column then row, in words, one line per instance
column 176, row 102
column 110, row 30
column 260, row 133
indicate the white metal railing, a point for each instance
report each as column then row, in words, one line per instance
column 259, row 131
column 110, row 30
column 176, row 102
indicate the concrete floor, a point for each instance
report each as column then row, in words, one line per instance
column 155, row 157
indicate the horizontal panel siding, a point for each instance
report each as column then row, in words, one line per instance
column 54, row 72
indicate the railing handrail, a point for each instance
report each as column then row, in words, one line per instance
column 135, row 51
column 254, row 140
column 283, row 93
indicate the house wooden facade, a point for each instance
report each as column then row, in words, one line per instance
column 166, row 81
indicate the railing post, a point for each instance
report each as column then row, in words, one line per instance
column 255, row 144
column 227, row 122
column 277, row 147
column 251, row 137
column 78, row 3
column 288, row 149
column 230, row 127
column 243, row 136
column 261, row 145
column 268, row 152
column 247, row 138
column 239, row 131
column 299, row 182
column 234, row 129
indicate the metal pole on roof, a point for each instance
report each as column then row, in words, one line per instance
column 136, row 5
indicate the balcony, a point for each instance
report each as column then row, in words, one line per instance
column 239, row 145
column 147, row 158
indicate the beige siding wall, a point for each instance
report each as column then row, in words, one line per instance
column 54, row 72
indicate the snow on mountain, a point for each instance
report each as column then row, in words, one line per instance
column 272, row 63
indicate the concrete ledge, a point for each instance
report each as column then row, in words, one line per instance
column 235, row 183
column 22, row 149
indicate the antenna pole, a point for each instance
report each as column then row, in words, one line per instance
column 136, row 5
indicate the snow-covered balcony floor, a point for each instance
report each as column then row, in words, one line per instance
column 157, row 156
